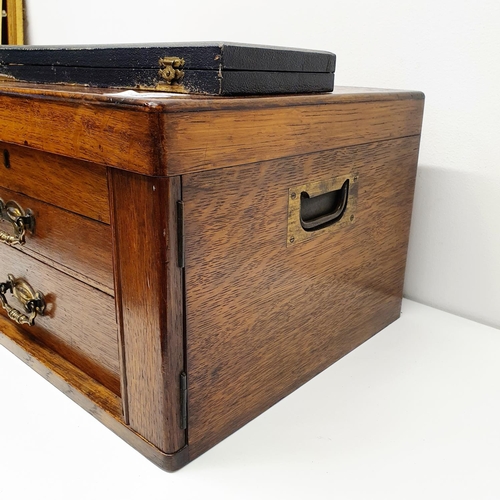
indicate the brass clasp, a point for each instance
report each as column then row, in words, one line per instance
column 171, row 69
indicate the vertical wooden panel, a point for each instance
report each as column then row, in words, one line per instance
column 15, row 22
column 150, row 307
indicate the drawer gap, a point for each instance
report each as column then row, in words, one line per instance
column 70, row 272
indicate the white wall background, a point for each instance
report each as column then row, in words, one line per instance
column 448, row 49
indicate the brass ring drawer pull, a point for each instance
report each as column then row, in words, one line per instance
column 33, row 302
column 20, row 219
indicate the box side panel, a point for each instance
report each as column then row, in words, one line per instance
column 264, row 316
column 244, row 57
column 274, row 82
column 149, row 304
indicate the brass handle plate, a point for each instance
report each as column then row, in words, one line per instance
column 21, row 220
column 33, row 302
column 299, row 230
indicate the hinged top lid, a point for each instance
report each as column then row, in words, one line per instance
column 202, row 55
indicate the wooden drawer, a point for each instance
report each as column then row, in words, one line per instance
column 74, row 244
column 74, row 185
column 79, row 321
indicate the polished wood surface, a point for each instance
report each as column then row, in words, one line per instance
column 193, row 102
column 110, row 135
column 96, row 399
column 252, row 316
column 79, row 322
column 173, row 135
column 150, row 306
column 76, row 245
column 264, row 317
column 76, row 186
column 195, row 142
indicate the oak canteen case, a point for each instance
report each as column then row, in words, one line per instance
column 177, row 264
column 216, row 68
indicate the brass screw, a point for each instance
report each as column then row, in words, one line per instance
column 292, row 239
column 293, row 196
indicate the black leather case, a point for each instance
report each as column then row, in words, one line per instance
column 215, row 68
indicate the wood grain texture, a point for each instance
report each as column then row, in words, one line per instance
column 76, row 186
column 208, row 140
column 263, row 318
column 99, row 133
column 154, row 136
column 79, row 322
column 76, row 245
column 93, row 397
column 118, row 301
column 194, row 103
column 150, row 304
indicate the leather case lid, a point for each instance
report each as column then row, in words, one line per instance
column 202, row 56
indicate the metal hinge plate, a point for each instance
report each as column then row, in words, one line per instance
column 183, row 383
column 180, row 234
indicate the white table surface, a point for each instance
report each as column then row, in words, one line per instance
column 414, row 413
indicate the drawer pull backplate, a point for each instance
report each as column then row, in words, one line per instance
column 33, row 302
column 20, row 219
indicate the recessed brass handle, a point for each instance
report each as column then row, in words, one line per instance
column 33, row 302
column 327, row 208
column 20, row 219
column 322, row 207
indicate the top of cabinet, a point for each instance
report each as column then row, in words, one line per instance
column 164, row 134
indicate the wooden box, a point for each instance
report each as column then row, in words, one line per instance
column 188, row 261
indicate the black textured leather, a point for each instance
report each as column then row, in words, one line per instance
column 264, row 58
column 262, row 82
column 215, row 68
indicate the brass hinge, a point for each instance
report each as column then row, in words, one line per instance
column 183, row 400
column 180, row 234
column 171, row 70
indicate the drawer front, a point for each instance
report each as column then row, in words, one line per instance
column 76, row 186
column 74, row 244
column 79, row 321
